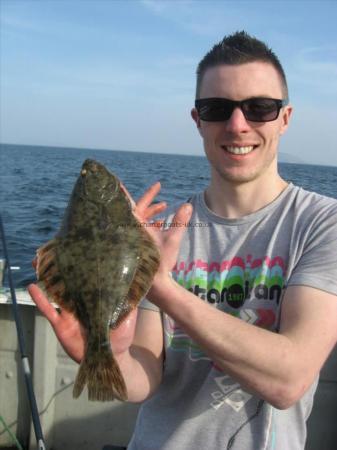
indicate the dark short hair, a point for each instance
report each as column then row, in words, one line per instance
column 239, row 48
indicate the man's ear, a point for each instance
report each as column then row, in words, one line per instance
column 286, row 118
column 195, row 117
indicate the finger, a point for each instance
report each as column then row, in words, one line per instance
column 145, row 201
column 43, row 304
column 157, row 224
column 179, row 223
column 183, row 215
column 155, row 209
column 127, row 193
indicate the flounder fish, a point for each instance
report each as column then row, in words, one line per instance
column 98, row 266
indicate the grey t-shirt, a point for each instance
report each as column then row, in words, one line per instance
column 240, row 266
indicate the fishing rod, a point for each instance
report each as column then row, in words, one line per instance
column 24, row 357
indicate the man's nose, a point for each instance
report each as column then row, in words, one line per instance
column 237, row 122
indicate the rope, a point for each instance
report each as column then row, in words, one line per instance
column 13, row 437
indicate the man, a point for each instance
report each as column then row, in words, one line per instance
column 250, row 311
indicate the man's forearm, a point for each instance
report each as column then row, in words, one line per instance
column 263, row 362
column 142, row 372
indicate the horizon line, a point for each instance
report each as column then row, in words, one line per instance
column 152, row 153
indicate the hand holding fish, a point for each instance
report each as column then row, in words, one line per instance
column 168, row 240
column 72, row 335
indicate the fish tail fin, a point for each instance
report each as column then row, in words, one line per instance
column 101, row 373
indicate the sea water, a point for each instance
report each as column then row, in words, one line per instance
column 36, row 183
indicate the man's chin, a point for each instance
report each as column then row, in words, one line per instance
column 237, row 178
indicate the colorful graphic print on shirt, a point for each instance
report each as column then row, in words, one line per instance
column 248, row 288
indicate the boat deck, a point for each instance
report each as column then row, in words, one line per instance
column 78, row 424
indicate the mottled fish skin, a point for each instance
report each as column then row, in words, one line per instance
column 98, row 266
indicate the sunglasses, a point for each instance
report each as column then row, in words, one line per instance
column 256, row 109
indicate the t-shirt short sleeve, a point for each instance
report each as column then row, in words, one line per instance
column 317, row 265
column 146, row 304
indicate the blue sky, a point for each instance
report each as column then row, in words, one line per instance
column 121, row 74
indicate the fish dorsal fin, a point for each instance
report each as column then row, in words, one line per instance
column 146, row 270
column 49, row 277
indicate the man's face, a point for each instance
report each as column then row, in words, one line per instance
column 256, row 79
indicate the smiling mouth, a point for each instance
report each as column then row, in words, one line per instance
column 235, row 150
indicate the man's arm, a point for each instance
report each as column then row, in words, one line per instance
column 142, row 363
column 276, row 367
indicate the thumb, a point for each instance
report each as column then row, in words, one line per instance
column 183, row 215
column 179, row 223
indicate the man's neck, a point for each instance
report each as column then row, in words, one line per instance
column 233, row 201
